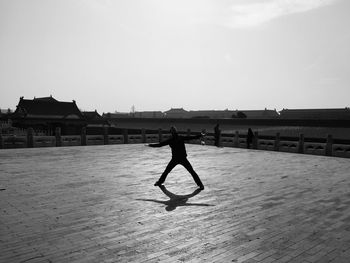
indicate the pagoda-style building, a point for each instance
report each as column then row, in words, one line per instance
column 45, row 114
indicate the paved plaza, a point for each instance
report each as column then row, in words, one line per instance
column 98, row 204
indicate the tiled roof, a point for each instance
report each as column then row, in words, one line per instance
column 47, row 107
column 46, row 99
column 176, row 110
column 91, row 115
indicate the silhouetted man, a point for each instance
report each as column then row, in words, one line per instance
column 217, row 133
column 250, row 136
column 179, row 155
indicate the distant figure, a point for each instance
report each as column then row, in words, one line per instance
column 217, row 135
column 179, row 155
column 250, row 137
column 202, row 140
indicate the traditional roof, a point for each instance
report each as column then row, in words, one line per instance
column 176, row 110
column 92, row 115
column 333, row 113
column 46, row 99
column 48, row 107
column 93, row 118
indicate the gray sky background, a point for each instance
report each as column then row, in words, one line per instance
column 158, row 54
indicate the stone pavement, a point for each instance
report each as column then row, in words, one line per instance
column 98, row 204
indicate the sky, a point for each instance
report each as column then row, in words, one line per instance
column 160, row 54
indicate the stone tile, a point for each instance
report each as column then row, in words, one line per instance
column 98, row 204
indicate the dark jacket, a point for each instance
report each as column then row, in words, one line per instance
column 177, row 145
column 250, row 136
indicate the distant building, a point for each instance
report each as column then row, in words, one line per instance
column 176, row 113
column 94, row 119
column 212, row 114
column 259, row 114
column 316, row 114
column 148, row 114
column 5, row 120
column 47, row 113
column 197, row 114
column 116, row 115
column 222, row 114
column 4, row 112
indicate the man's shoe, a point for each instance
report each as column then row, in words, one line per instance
column 158, row 184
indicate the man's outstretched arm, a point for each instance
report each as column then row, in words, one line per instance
column 163, row 143
column 194, row 137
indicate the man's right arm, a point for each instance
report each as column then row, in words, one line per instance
column 163, row 143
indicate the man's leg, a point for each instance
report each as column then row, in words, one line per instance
column 167, row 170
column 195, row 176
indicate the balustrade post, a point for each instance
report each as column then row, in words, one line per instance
column 83, row 136
column 58, row 137
column 301, row 143
column 30, row 137
column 329, row 145
column 160, row 135
column 255, row 140
column 1, row 141
column 105, row 136
column 236, row 139
column 143, row 132
column 277, row 142
column 219, row 138
column 125, row 135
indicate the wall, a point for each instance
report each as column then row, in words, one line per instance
column 325, row 146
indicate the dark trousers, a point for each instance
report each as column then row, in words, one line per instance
column 185, row 163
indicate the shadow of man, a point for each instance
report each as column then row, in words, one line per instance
column 176, row 200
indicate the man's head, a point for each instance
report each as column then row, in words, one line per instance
column 173, row 130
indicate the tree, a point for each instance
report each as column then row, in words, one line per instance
column 241, row 115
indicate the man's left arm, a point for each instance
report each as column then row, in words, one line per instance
column 194, row 137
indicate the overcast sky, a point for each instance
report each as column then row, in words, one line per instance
column 158, row 54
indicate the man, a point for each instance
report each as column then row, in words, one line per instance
column 217, row 134
column 250, row 137
column 179, row 155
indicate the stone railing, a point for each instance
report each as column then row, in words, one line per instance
column 318, row 146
